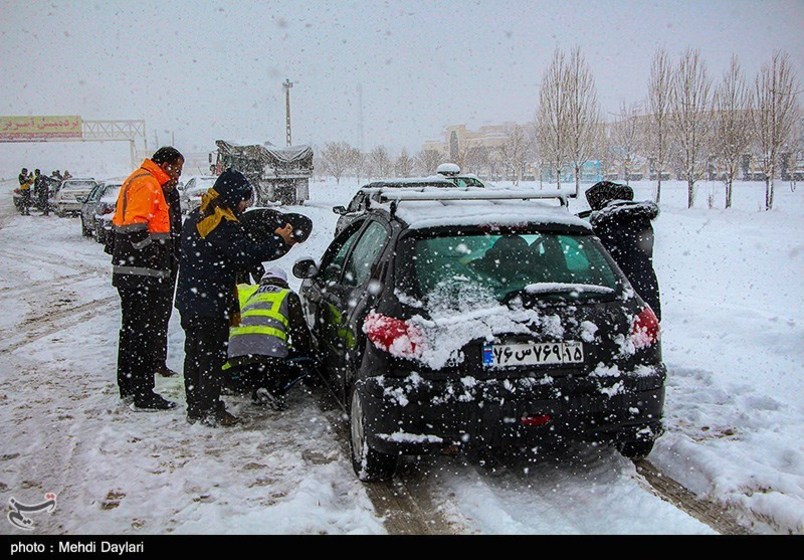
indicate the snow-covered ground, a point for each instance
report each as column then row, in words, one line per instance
column 733, row 341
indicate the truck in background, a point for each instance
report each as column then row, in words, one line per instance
column 279, row 175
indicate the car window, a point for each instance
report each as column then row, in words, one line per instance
column 483, row 267
column 95, row 194
column 190, row 184
column 332, row 262
column 370, row 245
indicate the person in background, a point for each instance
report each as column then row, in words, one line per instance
column 624, row 227
column 271, row 346
column 141, row 272
column 164, row 304
column 43, row 194
column 36, row 181
column 214, row 247
column 26, row 181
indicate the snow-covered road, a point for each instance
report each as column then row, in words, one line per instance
column 118, row 472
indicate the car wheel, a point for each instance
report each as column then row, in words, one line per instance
column 635, row 449
column 59, row 213
column 84, row 230
column 369, row 464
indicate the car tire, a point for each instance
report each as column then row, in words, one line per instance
column 369, row 464
column 86, row 232
column 635, row 449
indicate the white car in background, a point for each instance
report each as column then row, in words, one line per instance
column 193, row 189
column 71, row 195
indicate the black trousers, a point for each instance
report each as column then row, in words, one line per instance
column 163, row 308
column 138, row 342
column 272, row 373
column 26, row 201
column 205, row 343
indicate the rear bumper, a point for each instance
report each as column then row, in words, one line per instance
column 413, row 415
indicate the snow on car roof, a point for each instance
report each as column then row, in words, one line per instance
column 433, row 207
column 426, row 214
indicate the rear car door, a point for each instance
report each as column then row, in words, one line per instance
column 342, row 291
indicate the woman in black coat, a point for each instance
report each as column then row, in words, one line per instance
column 624, row 227
column 214, row 247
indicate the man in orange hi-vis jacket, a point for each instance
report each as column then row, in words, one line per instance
column 141, row 259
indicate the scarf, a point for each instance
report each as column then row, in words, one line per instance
column 209, row 223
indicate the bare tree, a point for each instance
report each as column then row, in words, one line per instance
column 553, row 115
column 379, row 164
column 483, row 161
column 583, row 113
column 514, row 151
column 336, row 159
column 626, row 139
column 775, row 115
column 403, row 166
column 658, row 133
column 732, row 123
column 427, row 161
column 690, row 117
column 357, row 163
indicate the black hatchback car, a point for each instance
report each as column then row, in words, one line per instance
column 480, row 320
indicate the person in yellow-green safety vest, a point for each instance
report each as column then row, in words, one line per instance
column 271, row 347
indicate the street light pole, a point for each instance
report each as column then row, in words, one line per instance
column 287, row 84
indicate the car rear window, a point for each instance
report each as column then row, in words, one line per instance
column 79, row 186
column 486, row 267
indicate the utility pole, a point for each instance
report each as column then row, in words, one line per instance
column 287, row 84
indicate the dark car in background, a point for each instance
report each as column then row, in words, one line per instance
column 480, row 320
column 100, row 203
column 362, row 199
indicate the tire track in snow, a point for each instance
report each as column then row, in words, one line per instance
column 406, row 509
column 717, row 516
column 52, row 322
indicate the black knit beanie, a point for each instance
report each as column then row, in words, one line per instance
column 600, row 194
column 233, row 187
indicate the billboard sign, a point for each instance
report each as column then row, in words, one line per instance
column 40, row 128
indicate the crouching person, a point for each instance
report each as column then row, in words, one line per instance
column 271, row 348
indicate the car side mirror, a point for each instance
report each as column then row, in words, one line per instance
column 305, row 268
column 339, row 210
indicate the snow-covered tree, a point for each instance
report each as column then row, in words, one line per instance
column 690, row 118
column 553, row 114
column 403, row 166
column 732, row 123
column 427, row 161
column 379, row 164
column 513, row 153
column 336, row 159
column 775, row 114
column 583, row 112
column 626, row 139
column 659, row 97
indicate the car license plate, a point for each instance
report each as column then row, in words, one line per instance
column 532, row 354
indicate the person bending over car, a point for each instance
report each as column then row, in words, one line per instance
column 214, row 247
column 624, row 227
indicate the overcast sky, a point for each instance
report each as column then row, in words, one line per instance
column 201, row 70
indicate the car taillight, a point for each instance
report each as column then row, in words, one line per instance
column 645, row 329
column 395, row 336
